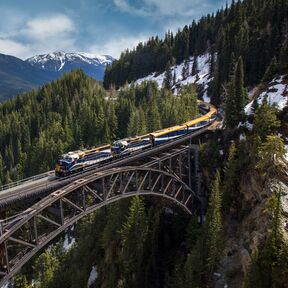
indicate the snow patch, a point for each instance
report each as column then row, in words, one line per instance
column 206, row 98
column 276, row 94
column 92, row 277
column 246, row 124
column 242, row 137
column 68, row 242
column 59, row 59
column 201, row 78
column 286, row 155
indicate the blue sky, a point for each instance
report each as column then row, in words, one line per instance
column 29, row 27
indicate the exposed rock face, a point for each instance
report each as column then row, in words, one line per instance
column 243, row 237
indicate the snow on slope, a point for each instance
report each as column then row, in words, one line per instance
column 276, row 94
column 68, row 242
column 201, row 78
column 92, row 277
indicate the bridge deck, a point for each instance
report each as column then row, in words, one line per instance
column 42, row 187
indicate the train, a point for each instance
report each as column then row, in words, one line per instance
column 76, row 161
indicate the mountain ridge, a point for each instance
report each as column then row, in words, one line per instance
column 18, row 76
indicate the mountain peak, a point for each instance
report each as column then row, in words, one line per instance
column 60, row 61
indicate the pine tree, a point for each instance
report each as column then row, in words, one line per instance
column 271, row 70
column 283, row 62
column 133, row 236
column 45, row 267
column 270, row 155
column 265, row 121
column 236, row 97
column 195, row 66
column 231, row 180
column 185, row 70
column 212, row 64
column 167, row 82
column 240, row 92
column 133, row 124
column 142, row 128
column 112, row 122
column 174, row 77
column 214, row 225
column 153, row 116
column 20, row 281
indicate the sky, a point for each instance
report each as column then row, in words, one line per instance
column 103, row 27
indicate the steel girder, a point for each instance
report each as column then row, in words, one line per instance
column 24, row 235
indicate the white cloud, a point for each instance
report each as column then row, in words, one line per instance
column 39, row 35
column 124, row 6
column 49, row 26
column 13, row 47
column 114, row 47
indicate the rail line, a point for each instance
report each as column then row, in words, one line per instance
column 37, row 186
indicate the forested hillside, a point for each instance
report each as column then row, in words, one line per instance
column 256, row 30
column 76, row 112
column 147, row 242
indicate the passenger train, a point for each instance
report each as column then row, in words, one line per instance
column 77, row 160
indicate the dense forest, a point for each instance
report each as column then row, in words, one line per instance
column 256, row 30
column 76, row 112
column 140, row 242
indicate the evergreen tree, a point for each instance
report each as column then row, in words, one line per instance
column 45, row 265
column 20, row 281
column 174, row 77
column 236, row 97
column 167, row 82
column 212, row 65
column 214, row 226
column 195, row 69
column 133, row 236
column 240, row 92
column 265, row 121
column 231, row 180
column 185, row 70
column 270, row 155
column 271, row 70
column 283, row 62
column 153, row 116
column 133, row 124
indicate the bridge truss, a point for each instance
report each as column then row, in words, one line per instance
column 171, row 175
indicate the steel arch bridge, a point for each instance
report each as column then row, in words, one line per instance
column 24, row 236
column 169, row 175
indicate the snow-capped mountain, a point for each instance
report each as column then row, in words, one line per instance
column 18, row 76
column 61, row 62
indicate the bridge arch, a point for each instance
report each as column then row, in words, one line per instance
column 23, row 236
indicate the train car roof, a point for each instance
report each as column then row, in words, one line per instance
column 202, row 118
column 167, row 130
column 87, row 151
column 135, row 138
